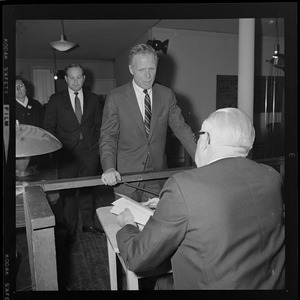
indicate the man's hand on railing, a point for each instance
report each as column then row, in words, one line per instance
column 111, row 177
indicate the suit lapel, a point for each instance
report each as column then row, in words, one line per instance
column 67, row 101
column 68, row 105
column 85, row 104
column 134, row 107
column 156, row 106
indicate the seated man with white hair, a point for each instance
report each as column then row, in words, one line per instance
column 221, row 224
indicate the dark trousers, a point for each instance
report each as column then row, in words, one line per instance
column 81, row 162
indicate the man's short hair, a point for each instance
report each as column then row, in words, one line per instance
column 141, row 49
column 73, row 66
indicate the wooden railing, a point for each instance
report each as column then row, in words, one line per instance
column 60, row 184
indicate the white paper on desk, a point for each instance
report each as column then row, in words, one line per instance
column 141, row 213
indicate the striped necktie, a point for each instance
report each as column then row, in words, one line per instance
column 78, row 111
column 147, row 120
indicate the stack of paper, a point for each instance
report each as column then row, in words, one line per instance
column 140, row 212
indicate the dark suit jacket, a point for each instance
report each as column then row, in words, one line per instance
column 123, row 143
column 221, row 225
column 60, row 120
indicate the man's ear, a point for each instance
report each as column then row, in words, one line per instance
column 130, row 69
column 204, row 142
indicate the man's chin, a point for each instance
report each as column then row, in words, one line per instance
column 147, row 87
column 75, row 89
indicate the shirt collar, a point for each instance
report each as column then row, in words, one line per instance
column 223, row 157
column 139, row 89
column 71, row 93
column 25, row 102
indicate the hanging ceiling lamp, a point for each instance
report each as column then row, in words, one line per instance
column 62, row 45
column 55, row 68
column 32, row 141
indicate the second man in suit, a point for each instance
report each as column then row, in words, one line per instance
column 77, row 126
column 133, row 134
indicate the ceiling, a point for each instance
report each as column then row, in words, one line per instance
column 106, row 39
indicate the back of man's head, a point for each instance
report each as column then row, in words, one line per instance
column 230, row 127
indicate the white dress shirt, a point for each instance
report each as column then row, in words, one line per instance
column 140, row 95
column 72, row 97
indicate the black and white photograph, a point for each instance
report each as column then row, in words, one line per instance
column 150, row 147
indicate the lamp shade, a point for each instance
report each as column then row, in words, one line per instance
column 62, row 45
column 32, row 140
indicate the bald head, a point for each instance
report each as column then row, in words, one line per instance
column 229, row 133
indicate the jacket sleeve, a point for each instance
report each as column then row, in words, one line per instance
column 181, row 129
column 148, row 250
column 50, row 116
column 109, row 134
column 98, row 117
column 40, row 111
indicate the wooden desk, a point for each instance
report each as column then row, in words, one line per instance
column 110, row 226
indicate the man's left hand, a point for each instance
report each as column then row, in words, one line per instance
column 125, row 217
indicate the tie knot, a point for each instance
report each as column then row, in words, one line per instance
column 145, row 91
column 76, row 93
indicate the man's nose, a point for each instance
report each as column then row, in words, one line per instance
column 148, row 74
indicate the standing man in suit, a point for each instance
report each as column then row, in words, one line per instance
column 77, row 126
column 221, row 224
column 133, row 135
